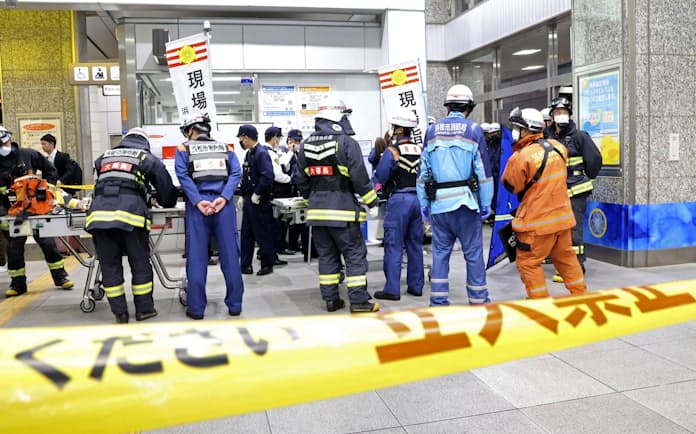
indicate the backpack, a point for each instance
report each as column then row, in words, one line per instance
column 34, row 197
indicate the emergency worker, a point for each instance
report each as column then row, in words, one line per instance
column 331, row 173
column 209, row 172
column 14, row 163
column 536, row 172
column 584, row 163
column 257, row 211
column 398, row 171
column 455, row 187
column 493, row 148
column 546, row 114
column 119, row 220
column 282, row 188
column 289, row 163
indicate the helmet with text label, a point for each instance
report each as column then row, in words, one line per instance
column 546, row 114
column 459, row 95
column 333, row 109
column 5, row 135
column 403, row 117
column 528, row 119
column 199, row 122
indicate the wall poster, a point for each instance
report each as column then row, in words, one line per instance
column 33, row 126
column 599, row 112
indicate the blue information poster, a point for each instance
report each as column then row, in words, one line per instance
column 599, row 112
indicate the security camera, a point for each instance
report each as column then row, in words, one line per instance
column 206, row 26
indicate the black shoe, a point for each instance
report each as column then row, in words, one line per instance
column 193, row 316
column 247, row 270
column 414, row 293
column 212, row 261
column 122, row 318
column 235, row 312
column 287, row 252
column 364, row 307
column 280, row 262
column 142, row 316
column 334, row 305
column 265, row 270
column 384, row 296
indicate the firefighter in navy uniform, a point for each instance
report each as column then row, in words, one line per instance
column 209, row 173
column 584, row 163
column 257, row 212
column 330, row 173
column 14, row 163
column 119, row 220
column 397, row 171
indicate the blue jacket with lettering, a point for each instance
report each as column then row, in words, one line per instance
column 124, row 175
column 258, row 173
column 192, row 189
column 454, row 147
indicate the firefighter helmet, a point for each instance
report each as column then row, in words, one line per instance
column 561, row 102
column 200, row 121
column 529, row 119
column 5, row 136
column 333, row 109
column 460, row 94
column 403, row 117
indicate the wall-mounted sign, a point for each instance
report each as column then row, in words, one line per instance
column 111, row 90
column 95, row 73
column 599, row 112
column 33, row 126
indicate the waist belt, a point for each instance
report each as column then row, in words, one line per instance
column 121, row 190
column 451, row 184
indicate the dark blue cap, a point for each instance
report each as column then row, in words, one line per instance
column 249, row 131
column 273, row 132
column 295, row 134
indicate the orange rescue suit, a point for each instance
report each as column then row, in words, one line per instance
column 545, row 217
column 34, row 196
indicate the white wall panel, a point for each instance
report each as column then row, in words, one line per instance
column 226, row 51
column 406, row 33
column 373, row 47
column 435, row 43
column 274, row 47
column 335, row 48
column 491, row 21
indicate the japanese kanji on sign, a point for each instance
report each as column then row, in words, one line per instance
column 189, row 67
column 402, row 86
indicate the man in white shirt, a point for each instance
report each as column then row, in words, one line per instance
column 282, row 184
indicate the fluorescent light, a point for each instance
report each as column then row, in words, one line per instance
column 225, row 78
column 532, row 67
column 526, row 52
column 225, row 102
column 227, row 92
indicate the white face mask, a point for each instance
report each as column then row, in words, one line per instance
column 561, row 119
column 5, row 150
column 515, row 134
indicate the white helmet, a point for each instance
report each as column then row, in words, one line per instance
column 332, row 109
column 460, row 94
column 495, row 127
column 5, row 136
column 431, row 120
column 486, row 127
column 137, row 131
column 201, row 121
column 404, row 117
column 529, row 119
column 546, row 113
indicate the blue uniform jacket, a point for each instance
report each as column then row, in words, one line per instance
column 385, row 168
column 455, row 146
column 259, row 177
column 192, row 190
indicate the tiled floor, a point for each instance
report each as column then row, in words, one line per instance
column 642, row 383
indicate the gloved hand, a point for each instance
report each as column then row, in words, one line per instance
column 485, row 212
column 425, row 212
column 255, row 199
column 373, row 212
column 239, row 202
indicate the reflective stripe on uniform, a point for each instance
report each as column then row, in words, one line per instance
column 580, row 188
column 574, row 161
column 476, row 287
column 122, row 216
column 370, row 196
column 335, row 214
column 343, row 170
column 575, row 282
column 544, row 222
column 439, row 294
column 56, row 265
column 477, row 300
column 142, row 288
column 114, row 291
column 579, row 250
column 433, row 280
column 539, row 290
column 17, row 273
column 360, row 280
column 503, row 217
column 329, row 279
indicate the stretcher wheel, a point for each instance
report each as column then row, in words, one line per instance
column 87, row 305
column 98, row 293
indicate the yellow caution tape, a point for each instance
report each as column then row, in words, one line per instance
column 135, row 377
column 78, row 187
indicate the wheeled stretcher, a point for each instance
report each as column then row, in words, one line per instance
column 72, row 224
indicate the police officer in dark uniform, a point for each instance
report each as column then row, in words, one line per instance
column 14, row 163
column 330, row 173
column 209, row 173
column 119, row 220
column 584, row 163
column 257, row 214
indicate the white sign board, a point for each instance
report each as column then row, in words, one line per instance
column 401, row 86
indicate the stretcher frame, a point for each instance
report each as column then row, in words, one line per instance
column 72, row 224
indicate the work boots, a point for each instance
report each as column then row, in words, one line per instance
column 61, row 279
column 18, row 286
column 364, row 307
column 334, row 305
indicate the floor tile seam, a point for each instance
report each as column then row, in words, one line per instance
column 448, row 419
column 657, row 412
column 381, row 398
column 587, row 374
column 688, row 368
column 268, row 421
column 692, row 380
